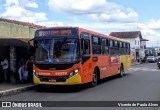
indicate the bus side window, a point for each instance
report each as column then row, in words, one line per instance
column 85, row 43
column 103, row 43
column 128, row 48
column 85, row 46
column 120, row 48
column 124, row 48
column 96, row 45
column 116, row 48
column 111, row 43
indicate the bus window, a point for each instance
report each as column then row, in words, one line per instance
column 103, row 42
column 115, row 44
column 128, row 48
column 103, row 45
column 124, row 45
column 85, row 46
column 120, row 44
column 111, row 47
column 85, row 43
column 111, row 43
column 95, row 40
column 107, row 42
column 96, row 45
column 116, row 47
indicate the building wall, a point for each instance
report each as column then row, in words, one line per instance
column 143, row 44
column 132, row 42
column 9, row 30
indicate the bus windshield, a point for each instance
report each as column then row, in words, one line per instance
column 57, row 50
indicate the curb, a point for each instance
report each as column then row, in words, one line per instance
column 16, row 90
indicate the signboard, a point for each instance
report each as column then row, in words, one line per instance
column 52, row 32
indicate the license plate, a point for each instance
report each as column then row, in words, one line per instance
column 52, row 80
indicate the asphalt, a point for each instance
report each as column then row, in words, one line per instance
column 12, row 88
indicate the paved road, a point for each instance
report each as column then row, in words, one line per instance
column 140, row 83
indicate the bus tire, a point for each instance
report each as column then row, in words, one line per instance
column 94, row 78
column 121, row 73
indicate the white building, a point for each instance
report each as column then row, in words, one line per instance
column 135, row 38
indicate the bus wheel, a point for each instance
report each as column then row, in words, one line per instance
column 121, row 71
column 94, row 79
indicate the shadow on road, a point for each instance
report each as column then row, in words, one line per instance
column 111, row 78
column 73, row 88
column 60, row 89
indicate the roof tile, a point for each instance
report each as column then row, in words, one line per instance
column 31, row 25
column 131, row 34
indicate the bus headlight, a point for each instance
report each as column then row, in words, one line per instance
column 73, row 72
column 35, row 73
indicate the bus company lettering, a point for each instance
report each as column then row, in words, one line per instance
column 115, row 59
column 60, row 73
column 103, row 68
column 44, row 73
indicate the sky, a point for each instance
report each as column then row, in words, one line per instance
column 102, row 16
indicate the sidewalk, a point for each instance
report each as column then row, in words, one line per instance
column 11, row 88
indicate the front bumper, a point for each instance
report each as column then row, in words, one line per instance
column 76, row 79
column 150, row 60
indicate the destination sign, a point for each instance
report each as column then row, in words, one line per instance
column 52, row 32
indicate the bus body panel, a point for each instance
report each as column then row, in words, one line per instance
column 76, row 79
column 106, row 68
column 126, row 61
column 51, row 74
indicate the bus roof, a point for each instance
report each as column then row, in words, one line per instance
column 86, row 30
column 103, row 35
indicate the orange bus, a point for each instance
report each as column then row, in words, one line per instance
column 73, row 55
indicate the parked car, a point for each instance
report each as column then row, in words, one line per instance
column 158, row 63
column 151, row 59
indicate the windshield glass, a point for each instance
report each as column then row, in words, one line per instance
column 56, row 50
